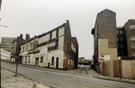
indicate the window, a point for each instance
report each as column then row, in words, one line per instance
column 31, row 45
column 41, row 60
column 57, row 43
column 132, row 45
column 26, row 47
column 25, row 59
column 121, row 32
column 117, row 32
column 52, row 60
column 121, row 46
column 121, row 39
column 35, row 44
column 133, row 52
column 132, row 38
column 23, row 48
column 132, row 26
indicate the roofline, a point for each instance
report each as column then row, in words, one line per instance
column 51, row 30
column 42, row 34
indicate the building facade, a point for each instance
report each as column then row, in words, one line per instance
column 16, row 49
column 105, row 36
column 126, row 40
column 5, row 55
column 129, row 28
column 121, row 42
column 111, row 42
column 51, row 49
column 6, row 43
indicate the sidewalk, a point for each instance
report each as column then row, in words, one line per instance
column 97, row 75
column 8, row 80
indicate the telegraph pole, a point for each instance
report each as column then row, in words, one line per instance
column 17, row 56
column 17, row 59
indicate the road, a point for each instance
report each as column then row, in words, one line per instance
column 63, row 79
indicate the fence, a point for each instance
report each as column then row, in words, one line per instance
column 118, row 68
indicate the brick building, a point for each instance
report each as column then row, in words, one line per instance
column 129, row 28
column 105, row 36
column 126, row 39
column 111, row 42
column 16, row 48
column 53, row 49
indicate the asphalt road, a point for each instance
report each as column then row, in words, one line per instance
column 62, row 79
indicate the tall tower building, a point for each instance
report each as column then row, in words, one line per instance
column 105, row 36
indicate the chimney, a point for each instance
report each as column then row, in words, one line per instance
column 21, row 36
column 27, row 36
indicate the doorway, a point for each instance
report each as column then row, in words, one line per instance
column 37, row 61
column 57, row 63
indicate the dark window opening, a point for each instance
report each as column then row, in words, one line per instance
column 57, row 43
column 41, row 61
column 52, row 60
column 29, row 60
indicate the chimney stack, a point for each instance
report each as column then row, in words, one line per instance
column 21, row 36
column 27, row 36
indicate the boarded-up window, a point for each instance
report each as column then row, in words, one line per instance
column 61, row 31
column 53, row 34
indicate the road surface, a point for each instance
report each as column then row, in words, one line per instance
column 62, row 79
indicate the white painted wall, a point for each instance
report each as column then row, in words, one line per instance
column 44, row 38
column 61, row 31
column 54, row 34
column 43, row 53
column 55, row 54
column 61, row 42
column 47, row 55
column 5, row 55
column 52, row 44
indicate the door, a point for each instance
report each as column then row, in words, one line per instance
column 37, row 61
column 57, row 63
column 20, row 61
column 26, row 60
column 48, row 65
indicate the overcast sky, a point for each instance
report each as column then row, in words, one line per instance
column 38, row 16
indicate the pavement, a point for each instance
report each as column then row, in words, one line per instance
column 65, row 79
column 99, row 76
column 8, row 80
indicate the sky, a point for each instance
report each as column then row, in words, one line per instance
column 39, row 16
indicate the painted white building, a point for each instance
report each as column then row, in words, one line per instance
column 5, row 55
column 51, row 49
